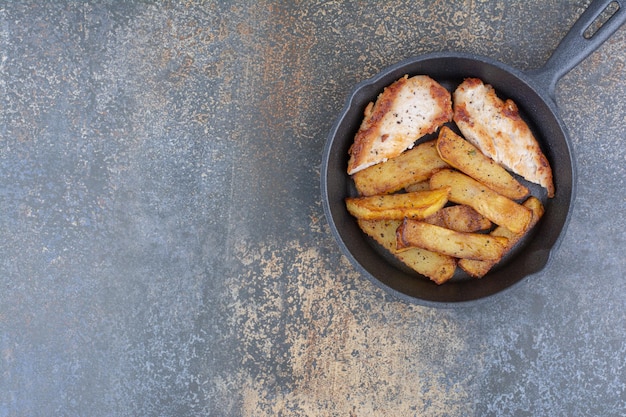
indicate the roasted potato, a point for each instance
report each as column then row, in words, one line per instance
column 468, row 159
column 461, row 218
column 439, row 268
column 478, row 269
column 418, row 186
column 415, row 233
column 497, row 208
column 416, row 205
column 410, row 167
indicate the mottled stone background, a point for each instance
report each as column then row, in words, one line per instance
column 163, row 249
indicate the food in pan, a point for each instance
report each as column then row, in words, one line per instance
column 497, row 208
column 495, row 127
column 410, row 167
column 404, row 112
column 416, row 205
column 436, row 266
column 418, row 186
column 478, row 246
column 446, row 202
column 464, row 156
column 461, row 218
column 478, row 269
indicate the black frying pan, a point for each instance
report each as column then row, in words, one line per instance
column 533, row 92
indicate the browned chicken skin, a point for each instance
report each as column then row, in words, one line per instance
column 404, row 112
column 495, row 127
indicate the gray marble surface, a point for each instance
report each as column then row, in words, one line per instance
column 163, row 247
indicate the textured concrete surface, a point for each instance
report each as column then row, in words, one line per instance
column 163, row 248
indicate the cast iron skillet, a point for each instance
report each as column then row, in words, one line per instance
column 533, row 92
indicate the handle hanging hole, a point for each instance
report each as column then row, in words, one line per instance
column 602, row 18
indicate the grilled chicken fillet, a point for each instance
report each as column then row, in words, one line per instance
column 404, row 112
column 496, row 128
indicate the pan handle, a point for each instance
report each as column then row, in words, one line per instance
column 581, row 40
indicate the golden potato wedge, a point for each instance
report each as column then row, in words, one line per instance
column 416, row 205
column 497, row 208
column 468, row 159
column 437, row 267
column 479, row 269
column 460, row 218
column 415, row 233
column 412, row 166
column 418, row 186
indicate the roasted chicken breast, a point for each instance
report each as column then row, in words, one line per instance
column 404, row 112
column 495, row 127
